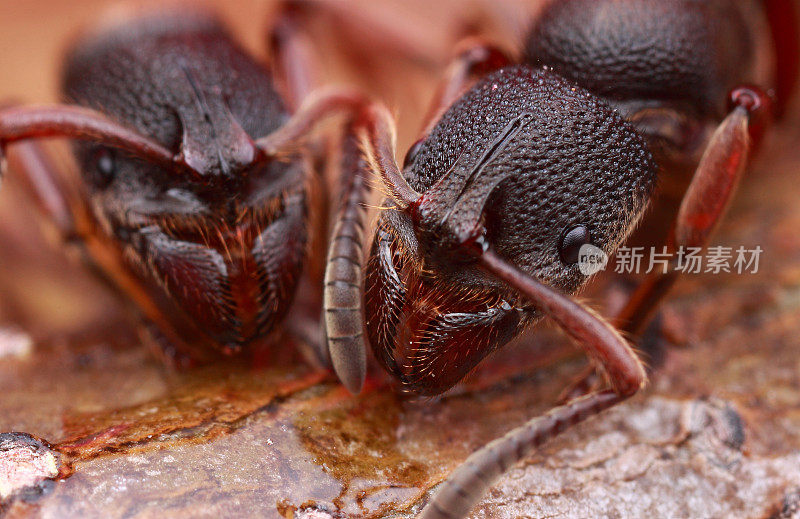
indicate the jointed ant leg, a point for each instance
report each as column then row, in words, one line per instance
column 378, row 140
column 706, row 199
column 340, row 303
column 296, row 78
column 290, row 137
column 39, row 179
column 373, row 130
column 651, row 349
column 465, row 486
column 296, row 71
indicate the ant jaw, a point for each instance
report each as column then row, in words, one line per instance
column 231, row 289
column 472, row 244
column 427, row 331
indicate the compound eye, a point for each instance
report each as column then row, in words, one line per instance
column 571, row 242
column 412, row 152
column 105, row 165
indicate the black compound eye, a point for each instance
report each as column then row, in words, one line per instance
column 105, row 165
column 571, row 242
column 412, row 152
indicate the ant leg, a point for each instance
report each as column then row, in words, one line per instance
column 474, row 58
column 373, row 131
column 706, row 199
column 290, row 138
column 46, row 188
column 343, row 347
column 586, row 381
column 292, row 54
column 65, row 208
column 378, row 135
column 464, row 487
column 343, row 315
column 295, row 77
column 297, row 73
column 651, row 349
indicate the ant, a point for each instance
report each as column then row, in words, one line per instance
column 197, row 198
column 519, row 168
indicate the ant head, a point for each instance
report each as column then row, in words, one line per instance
column 525, row 162
column 181, row 80
column 534, row 166
column 219, row 214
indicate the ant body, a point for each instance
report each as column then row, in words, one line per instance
column 525, row 166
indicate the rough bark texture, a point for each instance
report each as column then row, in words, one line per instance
column 716, row 434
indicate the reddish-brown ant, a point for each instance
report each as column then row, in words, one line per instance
column 523, row 168
column 196, row 197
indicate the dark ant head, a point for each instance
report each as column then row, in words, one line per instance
column 526, row 162
column 533, row 165
column 210, row 222
column 666, row 65
column 179, row 79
